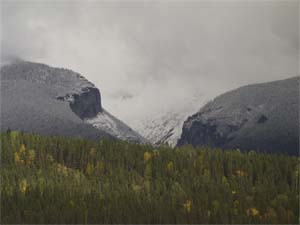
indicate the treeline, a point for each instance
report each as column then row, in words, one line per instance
column 72, row 180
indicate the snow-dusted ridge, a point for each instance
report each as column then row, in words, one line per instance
column 66, row 81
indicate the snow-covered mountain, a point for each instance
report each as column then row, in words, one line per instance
column 55, row 101
column 254, row 117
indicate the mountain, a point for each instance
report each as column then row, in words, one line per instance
column 55, row 101
column 255, row 117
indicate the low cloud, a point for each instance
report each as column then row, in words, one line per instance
column 159, row 53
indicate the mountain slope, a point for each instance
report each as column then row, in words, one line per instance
column 114, row 126
column 51, row 101
column 261, row 116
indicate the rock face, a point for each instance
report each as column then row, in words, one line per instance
column 261, row 117
column 86, row 104
column 50, row 101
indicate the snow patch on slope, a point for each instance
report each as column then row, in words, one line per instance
column 105, row 121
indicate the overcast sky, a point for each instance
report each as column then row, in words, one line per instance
column 153, row 55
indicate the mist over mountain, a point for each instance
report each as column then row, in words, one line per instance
column 165, row 127
column 149, row 57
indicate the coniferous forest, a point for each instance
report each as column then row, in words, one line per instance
column 78, row 181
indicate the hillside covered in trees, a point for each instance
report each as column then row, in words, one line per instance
column 77, row 181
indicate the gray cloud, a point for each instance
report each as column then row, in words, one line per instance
column 159, row 52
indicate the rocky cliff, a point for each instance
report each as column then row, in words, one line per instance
column 86, row 103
